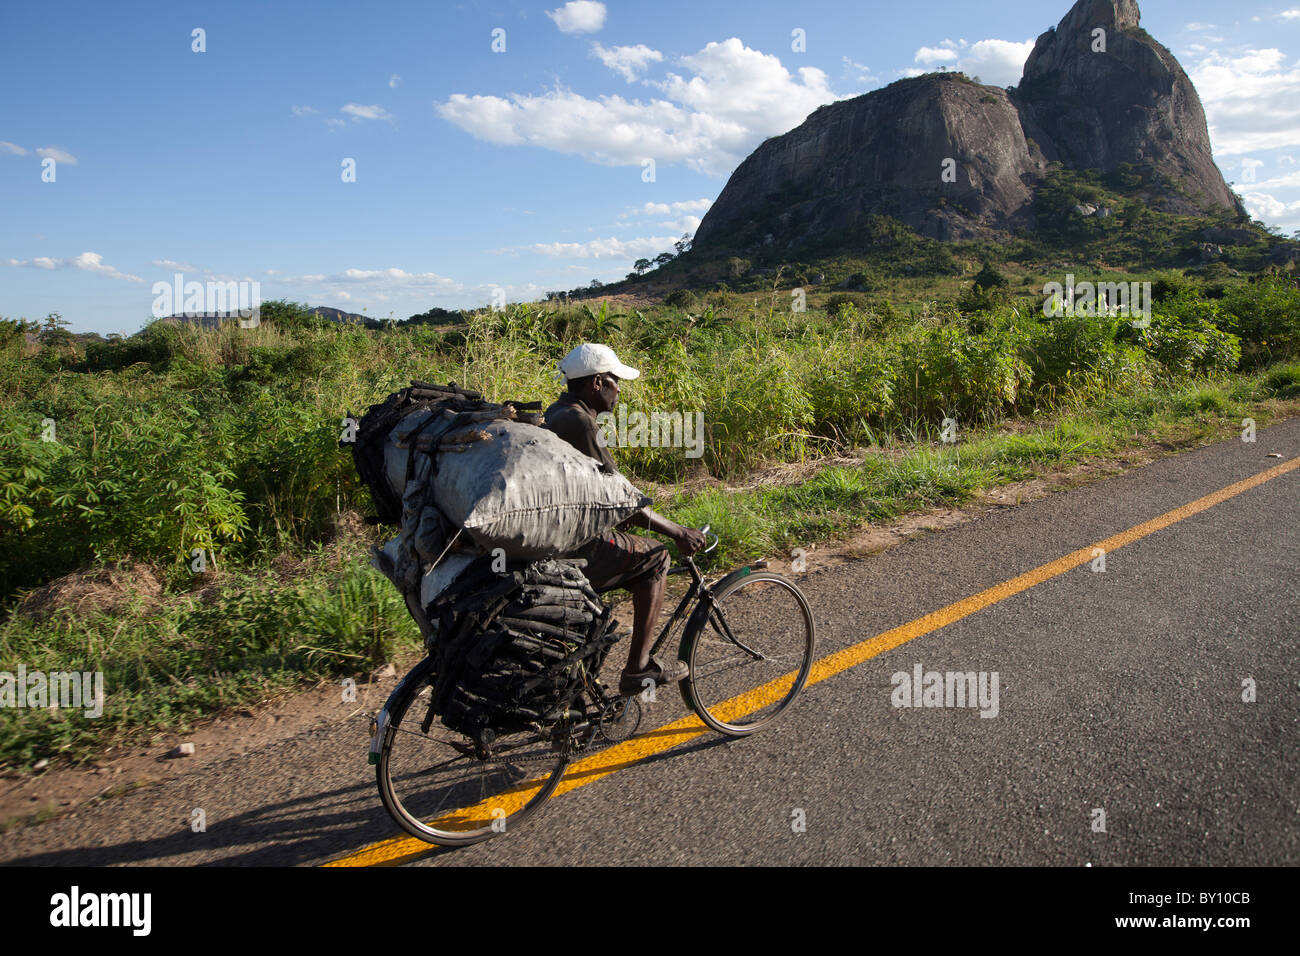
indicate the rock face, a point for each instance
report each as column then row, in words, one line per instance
column 1105, row 92
column 957, row 160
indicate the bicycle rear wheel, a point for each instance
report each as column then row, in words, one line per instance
column 443, row 787
column 751, row 656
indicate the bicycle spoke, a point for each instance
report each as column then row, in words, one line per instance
column 759, row 634
column 470, row 795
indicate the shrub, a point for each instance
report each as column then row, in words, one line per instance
column 849, row 386
column 1267, row 317
column 842, row 305
column 1190, row 346
column 948, row 371
column 1082, row 354
column 1283, row 381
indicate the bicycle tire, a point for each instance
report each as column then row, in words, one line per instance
column 438, row 790
column 732, row 691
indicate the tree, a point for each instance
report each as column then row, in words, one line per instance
column 595, row 284
column 664, row 258
column 683, row 244
column 641, row 265
column 54, row 331
column 990, row 278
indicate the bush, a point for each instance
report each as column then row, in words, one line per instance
column 681, row 299
column 1170, row 284
column 157, row 345
column 848, row 387
column 1190, row 346
column 1267, row 317
column 1083, row 354
column 841, row 305
column 990, row 278
column 948, row 371
column 1284, row 381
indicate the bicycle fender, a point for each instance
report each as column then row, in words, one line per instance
column 701, row 613
column 379, row 726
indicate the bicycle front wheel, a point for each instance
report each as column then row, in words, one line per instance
column 444, row 788
column 751, row 656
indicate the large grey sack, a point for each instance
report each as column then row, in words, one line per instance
column 530, row 493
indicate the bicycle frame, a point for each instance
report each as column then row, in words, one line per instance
column 697, row 589
column 702, row 594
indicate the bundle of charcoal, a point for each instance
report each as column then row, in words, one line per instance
column 517, row 644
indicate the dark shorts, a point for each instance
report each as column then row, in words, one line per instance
column 617, row 559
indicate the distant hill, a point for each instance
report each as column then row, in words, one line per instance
column 210, row 320
column 957, row 160
column 337, row 315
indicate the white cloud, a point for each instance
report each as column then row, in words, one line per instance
column 668, row 209
column 379, row 279
column 1289, row 15
column 12, row 149
column 627, row 61
column 1287, row 160
column 684, row 224
column 175, row 266
column 359, row 112
column 579, row 16
column 1200, row 27
column 1251, row 99
column 736, row 98
column 930, row 55
column 304, row 110
column 610, row 248
column 1268, row 208
column 862, row 74
column 57, row 154
column 393, row 81
column 997, row 62
column 86, row 262
column 1289, row 181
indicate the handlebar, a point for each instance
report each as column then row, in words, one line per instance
column 705, row 531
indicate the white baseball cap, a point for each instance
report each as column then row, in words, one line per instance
column 592, row 359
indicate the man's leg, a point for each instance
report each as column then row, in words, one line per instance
column 639, row 565
column 647, row 603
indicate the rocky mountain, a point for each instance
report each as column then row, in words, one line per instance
column 955, row 159
column 337, row 315
column 211, row 320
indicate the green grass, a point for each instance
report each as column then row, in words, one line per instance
column 164, row 670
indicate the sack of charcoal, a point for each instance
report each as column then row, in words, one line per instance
column 461, row 477
column 518, row 646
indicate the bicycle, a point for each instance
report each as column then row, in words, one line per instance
column 748, row 640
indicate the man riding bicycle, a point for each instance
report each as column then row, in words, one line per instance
column 619, row 560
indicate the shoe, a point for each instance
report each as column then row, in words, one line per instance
column 633, row 682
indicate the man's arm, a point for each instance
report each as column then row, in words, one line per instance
column 688, row 540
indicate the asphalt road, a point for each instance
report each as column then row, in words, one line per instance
column 1120, row 692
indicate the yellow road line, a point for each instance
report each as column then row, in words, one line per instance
column 599, row 765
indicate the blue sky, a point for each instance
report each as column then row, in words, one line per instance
column 476, row 170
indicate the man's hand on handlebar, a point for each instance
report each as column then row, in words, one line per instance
column 689, row 540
